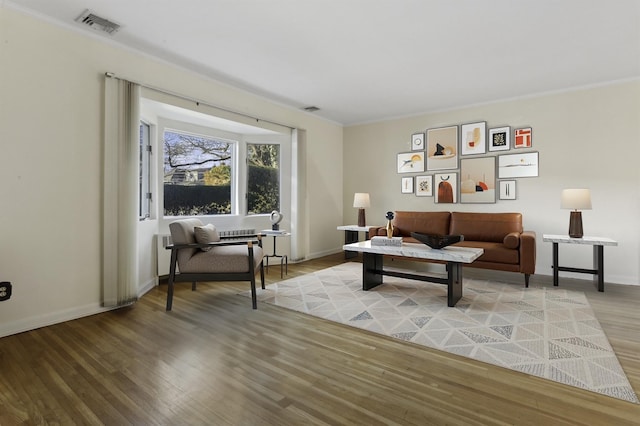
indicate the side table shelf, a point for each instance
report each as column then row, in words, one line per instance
column 598, row 244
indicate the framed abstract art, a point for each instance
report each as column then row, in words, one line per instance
column 473, row 138
column 446, row 188
column 442, row 148
column 499, row 139
column 424, row 186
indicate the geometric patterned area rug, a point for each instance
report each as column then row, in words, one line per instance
column 546, row 332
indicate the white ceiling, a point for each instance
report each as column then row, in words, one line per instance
column 368, row 60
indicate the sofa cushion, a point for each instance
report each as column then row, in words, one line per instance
column 491, row 227
column 435, row 223
column 205, row 235
column 493, row 252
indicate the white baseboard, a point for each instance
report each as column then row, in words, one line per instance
column 39, row 321
column 322, row 253
column 52, row 318
column 146, row 287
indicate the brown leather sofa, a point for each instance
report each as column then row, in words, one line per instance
column 507, row 247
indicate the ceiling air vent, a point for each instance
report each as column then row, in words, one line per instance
column 97, row 23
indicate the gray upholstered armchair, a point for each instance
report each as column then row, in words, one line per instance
column 202, row 255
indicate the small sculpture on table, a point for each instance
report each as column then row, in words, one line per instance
column 275, row 217
column 389, row 224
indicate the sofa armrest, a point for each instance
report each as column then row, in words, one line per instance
column 375, row 231
column 528, row 252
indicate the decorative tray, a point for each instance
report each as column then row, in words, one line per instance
column 437, row 241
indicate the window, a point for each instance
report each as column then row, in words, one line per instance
column 145, row 171
column 198, row 174
column 263, row 178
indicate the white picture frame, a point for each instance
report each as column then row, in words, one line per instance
column 410, row 162
column 508, row 190
column 407, row 185
column 473, row 138
column 518, row 165
column 424, row 186
column 417, row 142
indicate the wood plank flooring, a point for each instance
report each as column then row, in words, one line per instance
column 214, row 360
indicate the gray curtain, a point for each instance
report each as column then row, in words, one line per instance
column 299, row 228
column 120, row 192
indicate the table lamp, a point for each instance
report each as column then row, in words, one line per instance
column 575, row 200
column 361, row 201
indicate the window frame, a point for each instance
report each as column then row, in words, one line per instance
column 145, row 193
column 209, row 133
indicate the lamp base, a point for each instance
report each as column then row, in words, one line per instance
column 575, row 225
column 361, row 218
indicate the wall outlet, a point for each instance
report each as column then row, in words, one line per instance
column 5, row 290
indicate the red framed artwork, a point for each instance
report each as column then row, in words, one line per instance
column 523, row 138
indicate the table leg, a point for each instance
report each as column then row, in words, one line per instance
column 454, row 283
column 598, row 265
column 555, row 264
column 350, row 237
column 284, row 262
column 371, row 270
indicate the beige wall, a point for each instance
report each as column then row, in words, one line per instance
column 51, row 97
column 585, row 138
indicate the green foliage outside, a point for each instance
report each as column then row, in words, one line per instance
column 218, row 175
column 184, row 200
column 263, row 192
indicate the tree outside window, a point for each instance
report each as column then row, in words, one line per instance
column 263, row 178
column 197, row 174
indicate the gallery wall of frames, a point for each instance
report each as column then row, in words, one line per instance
column 468, row 163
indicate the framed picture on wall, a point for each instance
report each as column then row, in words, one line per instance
column 499, row 139
column 442, row 148
column 417, row 141
column 446, row 188
column 518, row 165
column 424, row 186
column 410, row 162
column 523, row 138
column 478, row 180
column 507, row 189
column 407, row 185
column 473, row 138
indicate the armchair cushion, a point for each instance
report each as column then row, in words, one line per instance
column 205, row 235
column 223, row 259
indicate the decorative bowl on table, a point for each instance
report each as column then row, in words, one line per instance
column 437, row 241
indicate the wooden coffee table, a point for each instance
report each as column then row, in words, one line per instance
column 454, row 257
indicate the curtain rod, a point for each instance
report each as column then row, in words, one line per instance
column 198, row 102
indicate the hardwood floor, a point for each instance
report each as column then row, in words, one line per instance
column 214, row 360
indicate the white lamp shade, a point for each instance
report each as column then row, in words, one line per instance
column 576, row 199
column 361, row 200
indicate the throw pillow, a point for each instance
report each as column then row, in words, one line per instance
column 512, row 240
column 205, row 235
